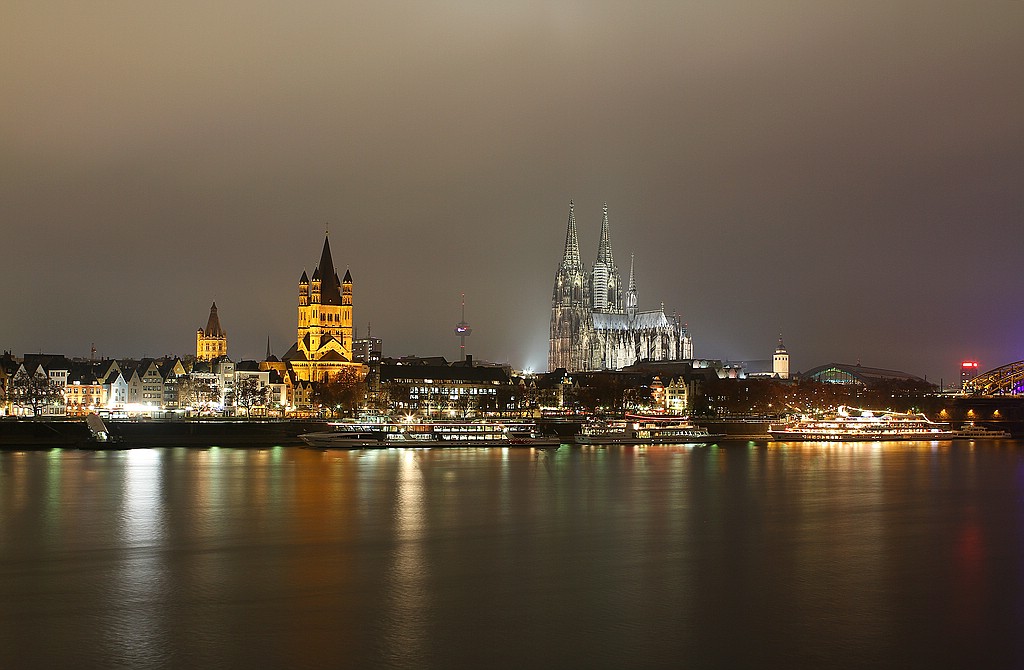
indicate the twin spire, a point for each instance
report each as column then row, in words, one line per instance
column 604, row 249
column 571, row 258
column 603, row 291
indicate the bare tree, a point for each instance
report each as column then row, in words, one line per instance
column 35, row 390
column 197, row 393
column 249, row 392
column 345, row 393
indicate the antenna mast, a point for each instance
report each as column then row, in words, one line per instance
column 463, row 330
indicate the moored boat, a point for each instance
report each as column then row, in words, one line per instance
column 637, row 429
column 426, row 434
column 851, row 424
column 971, row 431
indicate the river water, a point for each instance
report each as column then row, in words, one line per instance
column 874, row 555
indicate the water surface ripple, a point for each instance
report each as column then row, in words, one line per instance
column 877, row 555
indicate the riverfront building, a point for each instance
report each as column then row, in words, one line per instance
column 596, row 325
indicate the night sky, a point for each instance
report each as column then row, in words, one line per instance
column 849, row 173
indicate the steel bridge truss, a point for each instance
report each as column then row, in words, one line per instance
column 1005, row 380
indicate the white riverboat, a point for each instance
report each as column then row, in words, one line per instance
column 638, row 429
column 426, row 434
column 971, row 431
column 851, row 424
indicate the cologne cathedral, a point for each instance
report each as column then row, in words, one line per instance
column 596, row 325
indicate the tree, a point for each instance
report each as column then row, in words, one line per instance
column 250, row 392
column 197, row 393
column 344, row 393
column 394, row 395
column 35, row 390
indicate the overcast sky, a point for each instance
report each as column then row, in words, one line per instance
column 847, row 173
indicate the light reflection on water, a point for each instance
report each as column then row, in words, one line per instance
column 788, row 555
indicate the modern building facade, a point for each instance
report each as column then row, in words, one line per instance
column 595, row 325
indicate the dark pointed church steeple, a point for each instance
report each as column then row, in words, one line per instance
column 213, row 328
column 330, row 290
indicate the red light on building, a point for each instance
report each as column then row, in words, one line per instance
column 968, row 371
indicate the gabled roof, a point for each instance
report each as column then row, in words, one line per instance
column 82, row 373
column 48, row 361
column 294, row 354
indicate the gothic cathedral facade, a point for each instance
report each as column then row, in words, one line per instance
column 595, row 325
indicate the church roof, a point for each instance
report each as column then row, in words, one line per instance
column 330, row 291
column 293, row 354
column 213, row 328
column 348, row 277
column 642, row 321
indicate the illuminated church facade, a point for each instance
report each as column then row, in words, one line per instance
column 323, row 348
column 596, row 325
column 212, row 341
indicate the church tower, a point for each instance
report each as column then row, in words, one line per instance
column 212, row 341
column 780, row 361
column 324, row 334
column 605, row 283
column 569, row 305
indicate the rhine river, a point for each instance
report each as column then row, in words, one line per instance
column 895, row 555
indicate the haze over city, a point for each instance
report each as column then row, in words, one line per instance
column 847, row 174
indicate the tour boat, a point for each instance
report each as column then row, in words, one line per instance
column 851, row 424
column 424, row 434
column 970, row 431
column 636, row 429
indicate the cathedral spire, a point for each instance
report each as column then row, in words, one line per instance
column 571, row 258
column 604, row 250
column 631, row 297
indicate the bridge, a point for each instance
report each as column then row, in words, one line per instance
column 1004, row 380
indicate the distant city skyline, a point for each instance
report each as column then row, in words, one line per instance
column 847, row 175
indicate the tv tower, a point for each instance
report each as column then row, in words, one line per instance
column 463, row 330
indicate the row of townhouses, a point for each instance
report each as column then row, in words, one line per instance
column 53, row 385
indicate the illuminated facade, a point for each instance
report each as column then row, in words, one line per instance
column 780, row 361
column 597, row 326
column 212, row 341
column 968, row 371
column 323, row 347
